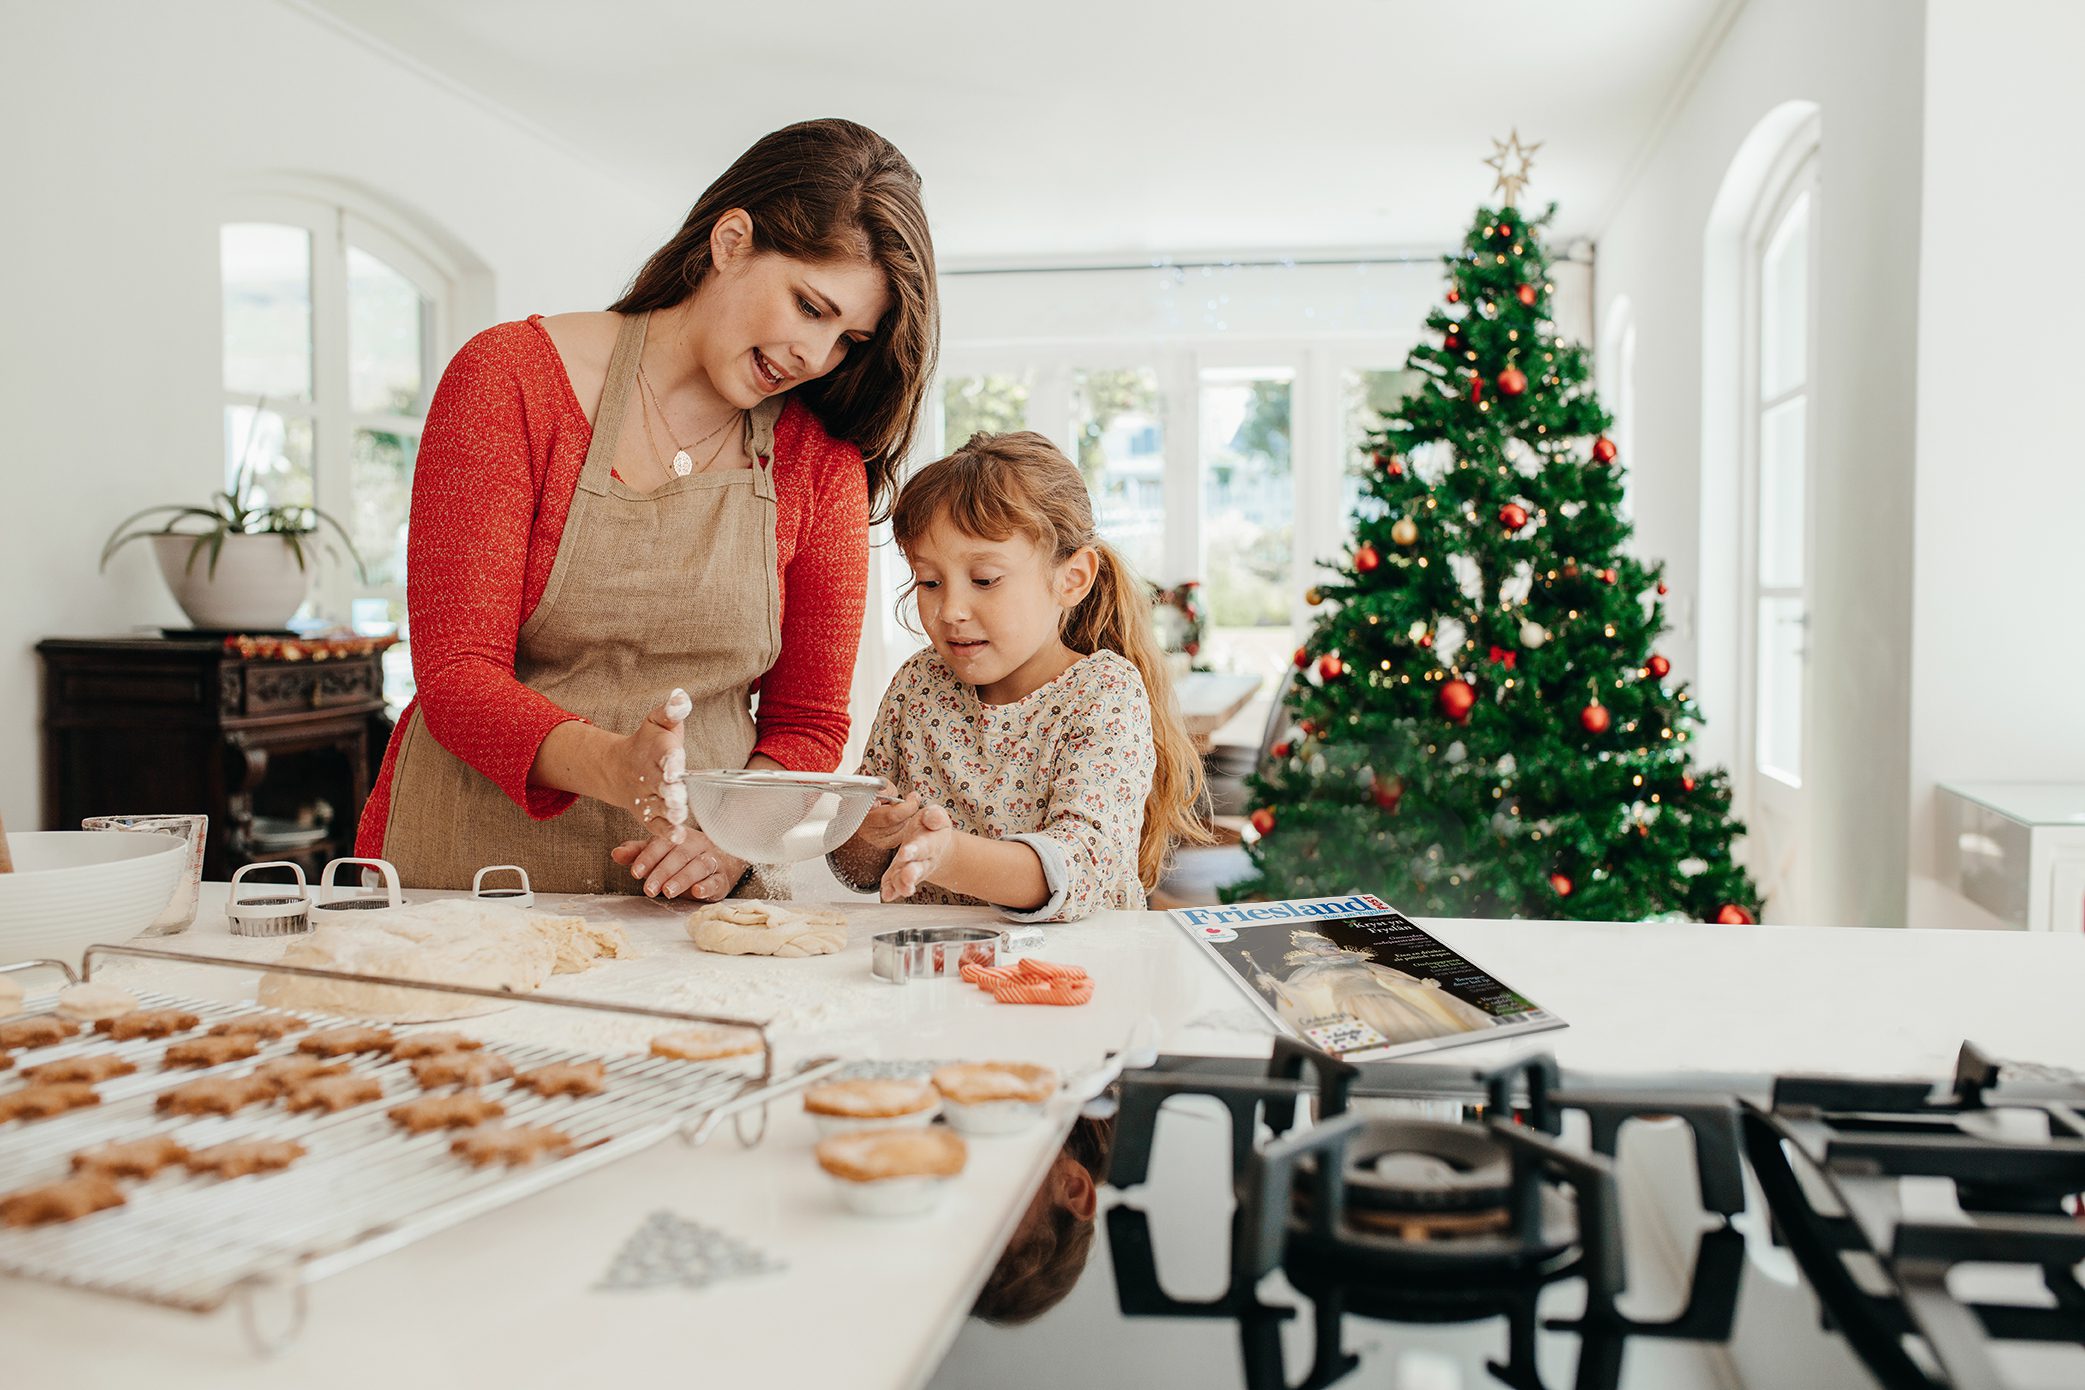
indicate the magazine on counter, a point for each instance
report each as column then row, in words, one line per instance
column 1355, row 977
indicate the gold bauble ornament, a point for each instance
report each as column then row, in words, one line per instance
column 1405, row 531
column 1312, row 597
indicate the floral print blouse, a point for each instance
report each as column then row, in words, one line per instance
column 1064, row 770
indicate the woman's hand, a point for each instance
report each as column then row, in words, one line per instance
column 923, row 847
column 693, row 866
column 887, row 822
column 642, row 770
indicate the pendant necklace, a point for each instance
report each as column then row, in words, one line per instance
column 683, row 460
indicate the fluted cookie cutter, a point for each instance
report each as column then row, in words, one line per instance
column 931, row 953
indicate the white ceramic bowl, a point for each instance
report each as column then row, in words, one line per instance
column 72, row 889
column 905, row 1196
column 829, row 1125
column 991, row 1117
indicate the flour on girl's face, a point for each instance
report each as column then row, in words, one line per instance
column 994, row 610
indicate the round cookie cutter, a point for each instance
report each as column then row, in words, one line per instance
column 524, row 896
column 283, row 909
column 357, row 900
column 931, row 953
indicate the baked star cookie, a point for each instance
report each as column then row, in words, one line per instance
column 266, row 1027
column 432, row 1045
column 565, row 1079
column 216, row 1095
column 210, row 1052
column 338, row 1042
column 281, row 1073
column 706, row 1042
column 513, row 1145
column 42, row 1102
column 41, row 1031
column 750, row 927
column 245, row 1157
column 461, row 1069
column 463, row 1110
column 331, row 1093
column 90, row 1069
column 91, row 1000
column 68, row 1199
column 147, row 1023
column 131, row 1158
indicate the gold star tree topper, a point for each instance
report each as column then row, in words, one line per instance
column 1514, row 161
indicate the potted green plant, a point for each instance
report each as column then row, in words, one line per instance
column 236, row 564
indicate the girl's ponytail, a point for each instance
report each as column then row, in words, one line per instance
column 1116, row 615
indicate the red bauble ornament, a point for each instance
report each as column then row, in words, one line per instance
column 1387, row 791
column 1426, row 641
column 1526, row 295
column 1453, row 342
column 1603, row 449
column 1609, row 576
column 1458, row 698
column 1658, row 666
column 1661, row 586
column 1733, row 915
column 1282, row 749
column 1366, row 558
column 1594, row 718
column 1394, row 466
column 1687, row 783
column 1455, row 296
column 1562, row 884
column 1512, row 381
column 1263, row 820
column 1513, row 516
column 1476, row 388
column 1505, row 229
column 1309, row 727
column 1329, row 667
column 1570, row 569
column 1302, row 659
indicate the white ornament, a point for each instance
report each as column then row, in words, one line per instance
column 1691, row 867
column 1417, row 630
column 1532, row 635
column 1506, row 766
column 1570, row 509
column 1456, row 752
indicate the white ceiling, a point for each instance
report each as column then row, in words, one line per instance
column 1098, row 128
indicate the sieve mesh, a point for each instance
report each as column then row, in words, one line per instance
column 767, row 817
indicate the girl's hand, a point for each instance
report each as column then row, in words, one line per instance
column 886, row 824
column 642, row 770
column 923, row 847
column 694, row 866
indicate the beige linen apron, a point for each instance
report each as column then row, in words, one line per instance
column 649, row 591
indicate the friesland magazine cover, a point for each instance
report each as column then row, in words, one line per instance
column 1355, row 977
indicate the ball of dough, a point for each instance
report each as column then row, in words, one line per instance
column 90, row 1000
column 741, row 927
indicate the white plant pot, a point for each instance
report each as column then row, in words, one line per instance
column 257, row 584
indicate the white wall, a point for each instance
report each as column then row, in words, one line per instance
column 1861, row 62
column 127, row 125
column 1997, row 663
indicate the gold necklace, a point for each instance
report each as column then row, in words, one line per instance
column 683, row 462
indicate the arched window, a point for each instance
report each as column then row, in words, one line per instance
column 336, row 321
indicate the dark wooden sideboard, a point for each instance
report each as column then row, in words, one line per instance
column 280, row 754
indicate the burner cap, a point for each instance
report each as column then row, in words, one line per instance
column 1424, row 1166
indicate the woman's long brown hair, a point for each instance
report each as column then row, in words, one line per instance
column 825, row 191
column 1001, row 485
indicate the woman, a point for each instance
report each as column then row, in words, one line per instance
column 672, row 495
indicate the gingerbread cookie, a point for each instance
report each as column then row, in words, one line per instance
column 706, row 1042
column 338, row 1042
column 459, row 1111
column 147, row 1023
column 565, row 1079
column 88, row 1069
column 6, row 1060
column 68, row 1199
column 245, row 1157
column 131, row 1158
column 216, row 1095
column 41, row 1031
column 514, row 1146
column 876, row 1154
column 266, row 1027
column 284, row 1072
column 332, row 1093
column 461, row 1069
column 433, row 1045
column 210, row 1052
column 42, row 1102
column 90, row 1000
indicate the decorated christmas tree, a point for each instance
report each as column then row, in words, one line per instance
column 1483, row 723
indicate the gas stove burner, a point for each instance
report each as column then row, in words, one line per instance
column 1425, row 1166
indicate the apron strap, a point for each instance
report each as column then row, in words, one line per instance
column 615, row 395
column 760, row 443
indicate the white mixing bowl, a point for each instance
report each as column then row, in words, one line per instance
column 72, row 889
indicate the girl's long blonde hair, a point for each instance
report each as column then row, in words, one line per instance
column 1002, row 485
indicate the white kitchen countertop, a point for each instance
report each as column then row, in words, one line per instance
column 508, row 1298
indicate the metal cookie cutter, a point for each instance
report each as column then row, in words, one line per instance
column 930, row 953
column 356, row 901
column 284, row 910
column 524, row 896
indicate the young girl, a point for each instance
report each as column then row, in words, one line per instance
column 1036, row 746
